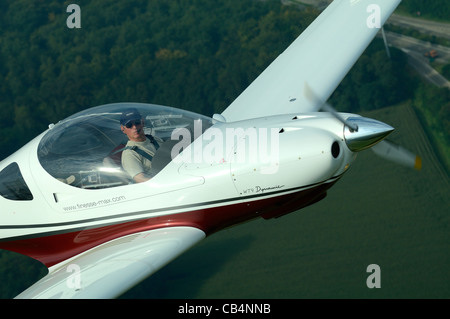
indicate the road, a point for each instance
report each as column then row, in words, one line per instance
column 430, row 74
column 439, row 29
column 415, row 50
column 419, row 46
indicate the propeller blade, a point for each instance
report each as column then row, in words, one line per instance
column 370, row 134
column 323, row 105
column 397, row 154
column 386, row 46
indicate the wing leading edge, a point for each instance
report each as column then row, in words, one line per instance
column 110, row 269
column 321, row 56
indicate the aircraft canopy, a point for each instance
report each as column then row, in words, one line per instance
column 82, row 149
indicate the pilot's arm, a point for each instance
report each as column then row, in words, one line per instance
column 141, row 177
column 135, row 166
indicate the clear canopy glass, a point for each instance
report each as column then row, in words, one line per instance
column 84, row 149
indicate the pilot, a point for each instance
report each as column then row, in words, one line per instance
column 140, row 148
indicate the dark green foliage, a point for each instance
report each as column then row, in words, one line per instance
column 375, row 81
column 198, row 55
column 446, row 71
column 434, row 104
column 17, row 273
column 436, row 9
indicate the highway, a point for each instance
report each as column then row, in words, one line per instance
column 423, row 68
column 439, row 29
column 415, row 50
column 413, row 47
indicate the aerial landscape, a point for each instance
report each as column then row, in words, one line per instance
column 198, row 56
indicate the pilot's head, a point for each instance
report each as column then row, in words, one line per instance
column 132, row 124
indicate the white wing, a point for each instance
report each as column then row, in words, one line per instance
column 110, row 269
column 321, row 56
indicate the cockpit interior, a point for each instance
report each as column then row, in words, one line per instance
column 82, row 150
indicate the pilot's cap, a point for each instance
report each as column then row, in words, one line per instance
column 130, row 115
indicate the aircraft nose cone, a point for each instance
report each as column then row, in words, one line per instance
column 368, row 134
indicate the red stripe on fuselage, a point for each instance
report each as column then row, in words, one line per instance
column 53, row 249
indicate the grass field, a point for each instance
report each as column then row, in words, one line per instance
column 379, row 213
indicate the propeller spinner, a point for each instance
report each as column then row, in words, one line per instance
column 369, row 133
column 362, row 133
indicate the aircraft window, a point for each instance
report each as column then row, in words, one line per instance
column 12, row 184
column 79, row 150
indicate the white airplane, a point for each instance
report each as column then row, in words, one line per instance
column 68, row 204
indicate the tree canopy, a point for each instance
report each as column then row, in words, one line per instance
column 435, row 9
column 197, row 55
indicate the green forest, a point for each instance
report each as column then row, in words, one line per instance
column 196, row 55
column 430, row 9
